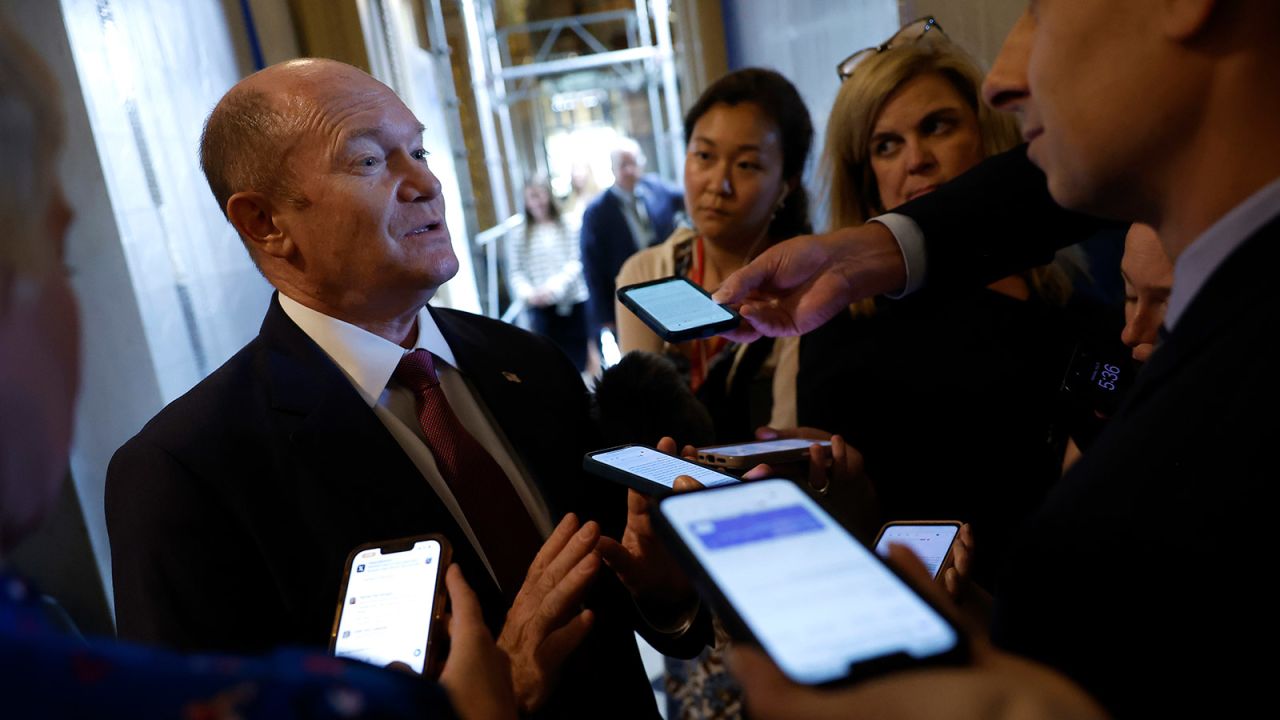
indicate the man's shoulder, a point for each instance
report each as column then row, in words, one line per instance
column 220, row 404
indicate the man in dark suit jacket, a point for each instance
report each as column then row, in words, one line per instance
column 1142, row 575
column 231, row 513
column 635, row 212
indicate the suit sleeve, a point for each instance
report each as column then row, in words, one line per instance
column 182, row 575
column 995, row 220
column 595, row 269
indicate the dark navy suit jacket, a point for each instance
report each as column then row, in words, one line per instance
column 607, row 241
column 231, row 513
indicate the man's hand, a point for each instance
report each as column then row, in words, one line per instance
column 661, row 589
column 546, row 621
column 994, row 685
column 476, row 674
column 797, row 285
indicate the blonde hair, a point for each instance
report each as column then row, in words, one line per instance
column 30, row 135
column 854, row 196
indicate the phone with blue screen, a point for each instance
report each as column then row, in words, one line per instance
column 780, row 572
column 677, row 309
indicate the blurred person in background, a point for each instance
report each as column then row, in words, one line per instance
column 544, row 268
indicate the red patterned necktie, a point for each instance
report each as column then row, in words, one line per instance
column 497, row 517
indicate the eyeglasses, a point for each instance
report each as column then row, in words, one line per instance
column 912, row 32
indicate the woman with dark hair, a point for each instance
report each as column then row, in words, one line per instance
column 544, row 269
column 748, row 138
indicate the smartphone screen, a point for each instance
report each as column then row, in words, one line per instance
column 930, row 543
column 678, row 305
column 763, row 447
column 817, row 601
column 387, row 609
column 659, row 467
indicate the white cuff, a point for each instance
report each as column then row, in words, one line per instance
column 911, row 241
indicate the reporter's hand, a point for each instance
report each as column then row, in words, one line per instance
column 975, row 601
column 661, row 589
column 797, row 285
column 476, row 675
column 996, row 684
column 837, row 472
column 546, row 621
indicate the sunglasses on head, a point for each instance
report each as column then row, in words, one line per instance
column 912, row 32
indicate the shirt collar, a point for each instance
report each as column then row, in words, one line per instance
column 366, row 359
column 627, row 197
column 1199, row 261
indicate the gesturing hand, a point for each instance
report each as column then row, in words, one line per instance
column 546, row 622
column 642, row 562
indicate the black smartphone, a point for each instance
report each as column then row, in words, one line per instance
column 648, row 470
column 677, row 309
column 745, row 456
column 933, row 541
column 784, row 574
column 392, row 599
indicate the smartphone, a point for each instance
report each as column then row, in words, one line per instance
column 648, row 470
column 677, row 309
column 748, row 455
column 933, row 541
column 391, row 601
column 783, row 573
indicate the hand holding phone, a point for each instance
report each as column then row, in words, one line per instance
column 780, row 571
column 677, row 309
column 391, row 600
column 933, row 541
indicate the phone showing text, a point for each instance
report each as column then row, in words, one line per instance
column 391, row 595
column 931, row 540
column 779, row 570
column 648, row 470
column 677, row 309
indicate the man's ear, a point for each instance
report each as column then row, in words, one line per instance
column 253, row 215
column 1183, row 20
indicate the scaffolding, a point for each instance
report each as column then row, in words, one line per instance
column 497, row 83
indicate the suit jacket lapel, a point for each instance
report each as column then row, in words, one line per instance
column 352, row 472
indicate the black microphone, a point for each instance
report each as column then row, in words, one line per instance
column 643, row 398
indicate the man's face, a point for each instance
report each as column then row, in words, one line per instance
column 626, row 170
column 1086, row 79
column 371, row 239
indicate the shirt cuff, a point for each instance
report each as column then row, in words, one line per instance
column 911, row 241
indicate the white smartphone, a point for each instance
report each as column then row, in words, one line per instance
column 782, row 572
column 648, row 470
column 744, row 456
column 392, row 597
column 933, row 541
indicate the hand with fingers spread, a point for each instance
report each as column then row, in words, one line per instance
column 995, row 685
column 661, row 589
column 797, row 285
column 546, row 622
column 476, row 674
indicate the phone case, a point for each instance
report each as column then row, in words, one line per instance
column 738, row 629
column 635, row 482
column 675, row 336
column 434, row 634
column 708, row 456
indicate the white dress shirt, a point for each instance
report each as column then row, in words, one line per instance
column 369, row 361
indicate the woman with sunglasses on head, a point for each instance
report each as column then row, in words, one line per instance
column 971, row 375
